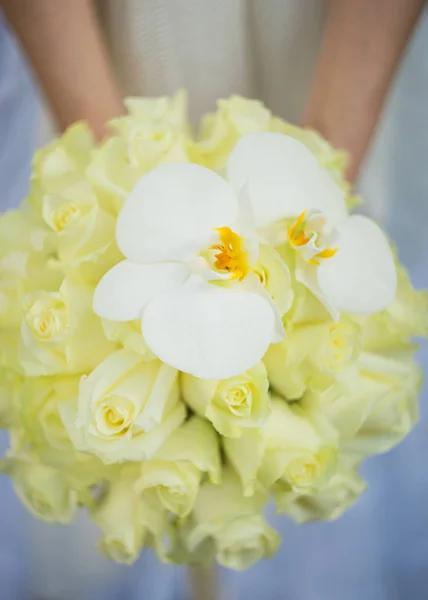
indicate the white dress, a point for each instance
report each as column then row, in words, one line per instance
column 263, row 49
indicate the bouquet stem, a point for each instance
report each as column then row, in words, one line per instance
column 204, row 583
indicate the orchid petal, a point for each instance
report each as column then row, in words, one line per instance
column 123, row 292
column 361, row 277
column 172, row 212
column 284, row 178
column 207, row 330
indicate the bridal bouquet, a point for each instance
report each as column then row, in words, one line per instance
column 191, row 327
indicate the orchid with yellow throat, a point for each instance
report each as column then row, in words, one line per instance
column 190, row 245
column 345, row 261
column 191, row 240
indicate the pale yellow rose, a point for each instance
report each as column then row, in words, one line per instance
column 407, row 317
column 376, row 405
column 231, row 405
column 23, row 263
column 23, row 267
column 311, row 355
column 126, row 408
column 129, row 521
column 229, row 526
column 61, row 164
column 60, row 334
column 43, row 490
column 220, row 131
column 246, row 454
column 180, row 464
column 326, row 504
column 82, row 233
column 10, row 388
column 39, row 402
column 172, row 110
column 152, row 134
column 300, row 449
column 129, row 336
column 295, row 450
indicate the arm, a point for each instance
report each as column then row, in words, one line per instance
column 361, row 48
column 64, row 45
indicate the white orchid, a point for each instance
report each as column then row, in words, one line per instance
column 344, row 260
column 189, row 246
column 190, row 242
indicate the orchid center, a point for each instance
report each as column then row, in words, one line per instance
column 309, row 235
column 230, row 256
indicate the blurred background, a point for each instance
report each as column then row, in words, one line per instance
column 379, row 549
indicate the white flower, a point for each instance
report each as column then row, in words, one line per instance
column 190, row 247
column 344, row 260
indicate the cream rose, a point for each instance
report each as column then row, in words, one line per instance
column 180, row 464
column 327, row 504
column 39, row 401
column 44, row 490
column 231, row 404
column 311, row 355
column 376, row 405
column 153, row 133
column 221, row 130
column 233, row 524
column 126, row 408
column 60, row 334
column 300, row 449
column 129, row 521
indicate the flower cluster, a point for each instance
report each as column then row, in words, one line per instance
column 192, row 326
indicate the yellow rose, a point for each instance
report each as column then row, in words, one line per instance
column 221, row 130
column 43, row 490
column 129, row 336
column 405, row 318
column 275, row 277
column 179, row 465
column 376, row 405
column 231, row 404
column 10, row 387
column 39, row 402
column 306, row 309
column 326, row 504
column 129, row 521
column 172, row 110
column 23, row 264
column 152, row 134
column 233, row 524
column 126, row 408
column 246, row 454
column 311, row 355
column 82, row 233
column 60, row 333
column 300, row 449
column 61, row 164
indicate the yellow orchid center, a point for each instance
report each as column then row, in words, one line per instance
column 297, row 236
column 309, row 228
column 231, row 256
column 327, row 253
